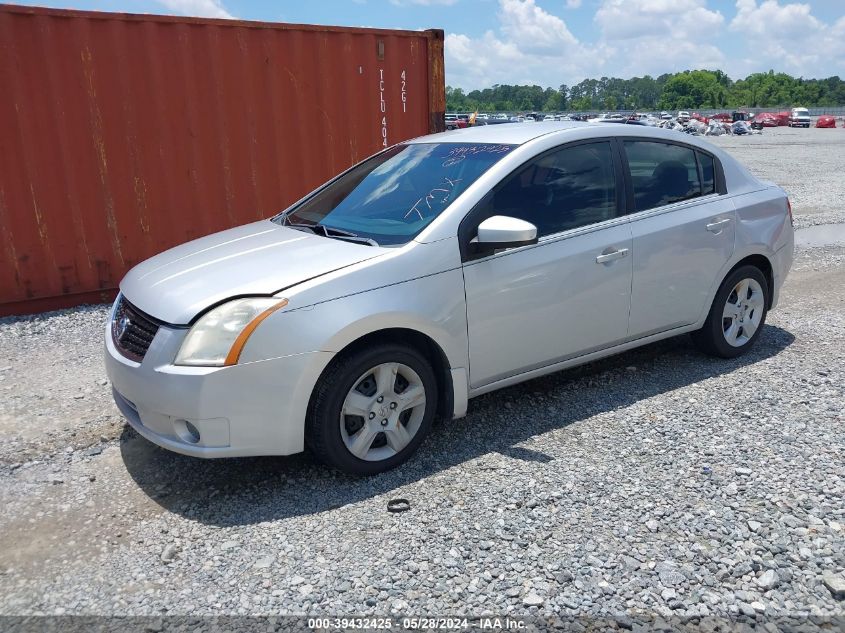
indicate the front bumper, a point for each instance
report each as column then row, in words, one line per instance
column 255, row 408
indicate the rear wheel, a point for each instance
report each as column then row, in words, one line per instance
column 372, row 409
column 737, row 315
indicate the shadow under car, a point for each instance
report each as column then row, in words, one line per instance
column 243, row 491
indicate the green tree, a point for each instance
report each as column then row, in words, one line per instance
column 687, row 90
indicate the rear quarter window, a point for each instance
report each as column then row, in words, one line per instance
column 662, row 173
column 708, row 173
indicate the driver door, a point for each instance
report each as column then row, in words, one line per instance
column 567, row 295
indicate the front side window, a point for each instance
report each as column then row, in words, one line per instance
column 565, row 189
column 661, row 173
column 396, row 194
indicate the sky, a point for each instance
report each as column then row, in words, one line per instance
column 554, row 42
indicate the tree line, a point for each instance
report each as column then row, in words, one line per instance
column 687, row 90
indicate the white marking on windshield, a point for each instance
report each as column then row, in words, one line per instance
column 427, row 198
column 457, row 154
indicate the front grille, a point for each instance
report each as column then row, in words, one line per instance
column 132, row 330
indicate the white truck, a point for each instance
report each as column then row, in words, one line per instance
column 799, row 117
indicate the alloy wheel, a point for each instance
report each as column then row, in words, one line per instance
column 743, row 312
column 382, row 412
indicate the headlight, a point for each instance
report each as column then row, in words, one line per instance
column 219, row 336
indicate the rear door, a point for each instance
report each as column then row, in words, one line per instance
column 683, row 232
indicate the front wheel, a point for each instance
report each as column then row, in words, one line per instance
column 372, row 409
column 737, row 315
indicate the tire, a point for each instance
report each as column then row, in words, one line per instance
column 726, row 331
column 393, row 428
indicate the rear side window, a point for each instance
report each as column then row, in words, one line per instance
column 661, row 173
column 708, row 173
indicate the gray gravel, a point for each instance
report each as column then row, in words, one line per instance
column 658, row 482
column 807, row 163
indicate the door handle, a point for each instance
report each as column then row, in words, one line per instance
column 718, row 225
column 612, row 255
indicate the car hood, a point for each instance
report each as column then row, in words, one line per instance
column 261, row 258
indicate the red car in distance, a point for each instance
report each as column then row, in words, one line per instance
column 766, row 119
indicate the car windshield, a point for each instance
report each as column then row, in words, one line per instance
column 394, row 195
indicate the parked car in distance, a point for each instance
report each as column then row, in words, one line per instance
column 683, row 116
column 799, row 117
column 826, row 121
column 437, row 270
column 741, row 127
column 456, row 121
column 764, row 119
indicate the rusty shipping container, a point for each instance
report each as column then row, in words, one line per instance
column 123, row 135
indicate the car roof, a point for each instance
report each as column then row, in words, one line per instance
column 505, row 133
column 521, row 133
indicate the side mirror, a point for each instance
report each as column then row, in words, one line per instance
column 502, row 231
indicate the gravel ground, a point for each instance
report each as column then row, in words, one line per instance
column 658, row 482
column 807, row 163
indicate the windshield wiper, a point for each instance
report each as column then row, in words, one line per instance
column 348, row 236
column 299, row 226
column 328, row 231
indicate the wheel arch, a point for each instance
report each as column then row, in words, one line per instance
column 419, row 341
column 764, row 265
column 752, row 257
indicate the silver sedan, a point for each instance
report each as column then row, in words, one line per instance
column 438, row 270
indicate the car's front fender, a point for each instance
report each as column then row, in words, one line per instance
column 433, row 305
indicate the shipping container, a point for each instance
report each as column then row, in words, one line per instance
column 123, row 135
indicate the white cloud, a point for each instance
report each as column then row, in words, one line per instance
column 531, row 46
column 198, row 8
column 573, row 4
column 790, row 37
column 658, row 36
column 534, row 30
column 678, row 19
column 481, row 62
column 638, row 37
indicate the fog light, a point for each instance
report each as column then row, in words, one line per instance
column 187, row 431
column 193, row 432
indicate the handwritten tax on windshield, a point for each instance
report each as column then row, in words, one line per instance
column 439, row 194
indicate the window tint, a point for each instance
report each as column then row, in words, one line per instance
column 708, row 173
column 393, row 196
column 563, row 190
column 661, row 173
